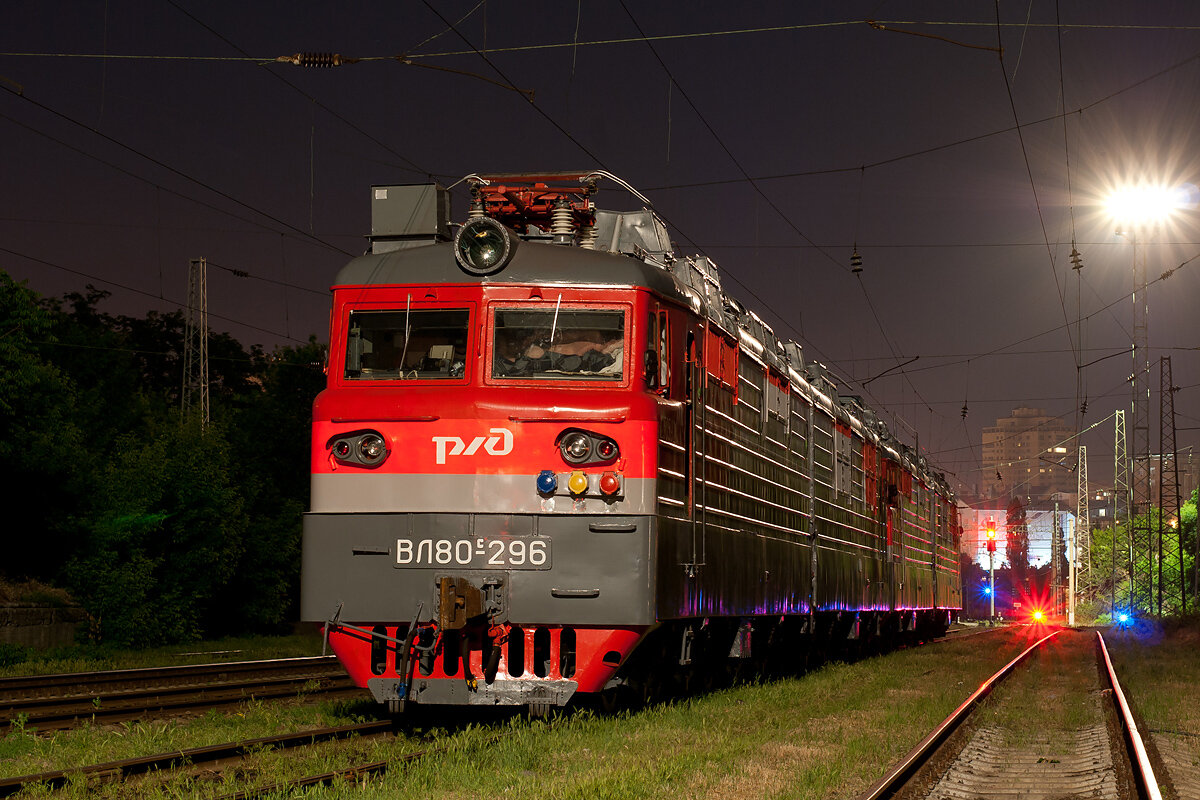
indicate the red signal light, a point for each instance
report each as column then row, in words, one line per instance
column 610, row 483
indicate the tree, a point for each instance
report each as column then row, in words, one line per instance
column 41, row 446
column 271, row 433
column 164, row 545
column 1017, row 546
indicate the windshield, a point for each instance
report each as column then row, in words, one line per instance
column 418, row 344
column 559, row 344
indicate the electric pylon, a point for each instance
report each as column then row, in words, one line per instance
column 195, row 344
column 1083, row 530
column 1121, row 500
column 1168, row 485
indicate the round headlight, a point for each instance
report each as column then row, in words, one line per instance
column 341, row 448
column 371, row 448
column 576, row 447
column 483, row 246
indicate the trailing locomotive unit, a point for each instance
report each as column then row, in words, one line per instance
column 552, row 458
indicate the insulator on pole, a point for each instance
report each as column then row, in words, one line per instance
column 317, row 60
column 855, row 262
column 1076, row 259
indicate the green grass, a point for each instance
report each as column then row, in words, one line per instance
column 827, row 734
column 1056, row 686
column 1159, row 669
column 88, row 658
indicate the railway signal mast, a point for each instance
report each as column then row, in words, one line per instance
column 991, row 548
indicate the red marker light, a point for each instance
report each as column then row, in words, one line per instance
column 610, row 483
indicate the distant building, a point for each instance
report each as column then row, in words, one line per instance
column 1041, row 520
column 1185, row 467
column 1030, row 455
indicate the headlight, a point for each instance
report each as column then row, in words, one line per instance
column 576, row 447
column 584, row 447
column 371, row 448
column 484, row 246
column 359, row 448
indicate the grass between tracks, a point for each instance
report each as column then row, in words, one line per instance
column 89, row 658
column 827, row 734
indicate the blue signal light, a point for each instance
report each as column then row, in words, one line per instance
column 1122, row 618
column 547, row 481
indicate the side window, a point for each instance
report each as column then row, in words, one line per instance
column 721, row 358
column 843, row 464
column 664, row 350
column 778, row 407
column 658, row 353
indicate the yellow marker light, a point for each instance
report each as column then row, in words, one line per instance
column 578, row 482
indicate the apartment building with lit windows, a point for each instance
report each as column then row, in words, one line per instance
column 1029, row 454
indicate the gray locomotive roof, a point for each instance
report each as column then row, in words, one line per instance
column 534, row 262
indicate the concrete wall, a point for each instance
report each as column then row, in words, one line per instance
column 39, row 627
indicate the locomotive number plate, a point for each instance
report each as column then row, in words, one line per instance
column 510, row 552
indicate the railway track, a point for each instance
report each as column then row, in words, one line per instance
column 211, row 755
column 53, row 702
column 1056, row 724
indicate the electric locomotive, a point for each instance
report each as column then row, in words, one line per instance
column 554, row 460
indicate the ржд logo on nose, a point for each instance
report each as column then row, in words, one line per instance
column 499, row 444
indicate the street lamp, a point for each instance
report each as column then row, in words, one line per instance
column 1140, row 210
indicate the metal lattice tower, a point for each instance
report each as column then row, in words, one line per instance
column 1083, row 530
column 1141, row 541
column 1168, row 488
column 195, row 344
column 1120, row 502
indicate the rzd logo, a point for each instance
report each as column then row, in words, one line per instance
column 500, row 444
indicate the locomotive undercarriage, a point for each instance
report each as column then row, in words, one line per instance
column 536, row 667
column 689, row 656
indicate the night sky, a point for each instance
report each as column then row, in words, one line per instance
column 960, row 147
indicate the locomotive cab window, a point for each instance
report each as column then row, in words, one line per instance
column 408, row 344
column 559, row 344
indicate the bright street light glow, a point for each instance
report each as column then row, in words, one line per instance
column 1145, row 204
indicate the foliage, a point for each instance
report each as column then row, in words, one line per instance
column 164, row 532
column 166, row 539
column 38, row 432
column 1017, row 544
column 1178, row 579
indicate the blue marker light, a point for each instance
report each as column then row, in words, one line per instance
column 547, row 482
column 1123, row 618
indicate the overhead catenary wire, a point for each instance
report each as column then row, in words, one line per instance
column 300, row 232
column 763, row 195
